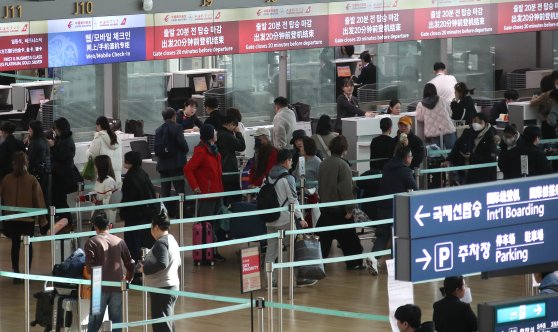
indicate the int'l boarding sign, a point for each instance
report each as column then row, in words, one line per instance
column 250, row 277
column 478, row 228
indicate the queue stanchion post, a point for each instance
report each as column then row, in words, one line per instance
column 260, row 305
column 291, row 252
column 106, row 326
column 78, row 213
column 27, row 320
column 144, row 252
column 52, row 217
column 181, row 239
column 280, row 276
column 417, row 176
column 124, row 287
column 269, row 272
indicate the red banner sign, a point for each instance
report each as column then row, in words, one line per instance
column 527, row 16
column 19, row 49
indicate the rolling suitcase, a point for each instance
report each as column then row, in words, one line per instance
column 70, row 315
column 202, row 234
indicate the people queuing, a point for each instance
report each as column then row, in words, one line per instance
column 453, row 312
column 38, row 153
column 106, row 142
column 324, row 134
column 284, row 123
column 435, row 114
column 230, row 142
column 463, row 105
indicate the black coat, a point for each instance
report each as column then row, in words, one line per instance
column 346, row 109
column 485, row 152
column 453, row 315
column 467, row 105
column 136, row 186
column 39, row 156
column 229, row 144
column 7, row 149
column 510, row 161
column 215, row 119
column 381, row 147
column 417, row 148
column 396, row 178
column 176, row 142
column 367, row 75
column 62, row 161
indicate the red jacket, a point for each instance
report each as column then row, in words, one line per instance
column 204, row 170
column 257, row 181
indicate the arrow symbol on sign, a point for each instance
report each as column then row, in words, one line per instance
column 426, row 259
column 538, row 310
column 420, row 215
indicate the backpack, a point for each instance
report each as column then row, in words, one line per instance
column 267, row 199
column 164, row 148
column 71, row 267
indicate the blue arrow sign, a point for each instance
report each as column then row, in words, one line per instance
column 474, row 252
column 470, row 208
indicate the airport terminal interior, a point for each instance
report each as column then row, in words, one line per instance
column 140, row 88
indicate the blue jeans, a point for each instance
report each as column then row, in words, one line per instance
column 112, row 299
column 449, row 141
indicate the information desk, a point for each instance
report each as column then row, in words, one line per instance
column 537, row 313
column 476, row 228
column 360, row 131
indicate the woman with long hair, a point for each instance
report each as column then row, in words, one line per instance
column 105, row 185
column 324, row 134
column 463, row 105
column 19, row 188
column 106, row 142
column 38, row 153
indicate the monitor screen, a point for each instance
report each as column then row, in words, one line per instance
column 36, row 95
column 200, row 84
column 220, row 77
column 343, row 71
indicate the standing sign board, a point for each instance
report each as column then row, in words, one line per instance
column 478, row 228
column 96, row 289
column 250, row 277
column 536, row 313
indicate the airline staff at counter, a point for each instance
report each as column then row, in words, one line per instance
column 347, row 104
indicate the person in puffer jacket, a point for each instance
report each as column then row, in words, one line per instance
column 435, row 113
column 106, row 142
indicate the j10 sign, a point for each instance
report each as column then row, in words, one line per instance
column 477, row 228
column 85, row 41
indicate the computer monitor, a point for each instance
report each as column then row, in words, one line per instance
column 343, row 71
column 218, row 80
column 36, row 95
column 199, row 83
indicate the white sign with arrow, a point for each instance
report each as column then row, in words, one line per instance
column 419, row 216
column 426, row 259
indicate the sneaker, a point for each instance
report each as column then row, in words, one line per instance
column 371, row 264
column 305, row 283
column 218, row 258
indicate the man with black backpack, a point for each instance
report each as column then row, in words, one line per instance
column 279, row 190
column 171, row 150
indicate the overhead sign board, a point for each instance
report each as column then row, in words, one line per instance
column 469, row 208
column 538, row 313
column 473, row 229
column 478, row 251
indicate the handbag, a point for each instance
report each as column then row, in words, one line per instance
column 73, row 180
column 307, row 247
column 89, row 170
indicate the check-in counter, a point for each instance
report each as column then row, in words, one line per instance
column 360, row 131
column 521, row 114
column 80, row 159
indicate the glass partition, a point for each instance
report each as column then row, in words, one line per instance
column 471, row 60
column 143, row 91
column 79, row 98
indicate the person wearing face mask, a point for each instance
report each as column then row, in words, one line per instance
column 204, row 173
column 511, row 139
column 336, row 184
column 453, row 313
column 538, row 164
column 477, row 145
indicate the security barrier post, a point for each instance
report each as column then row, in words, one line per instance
column 124, row 288
column 107, row 326
column 181, row 239
column 27, row 321
column 302, row 189
column 291, row 252
column 144, row 252
column 417, row 176
column 78, row 214
column 52, row 216
column 269, row 272
column 280, row 276
column 260, row 304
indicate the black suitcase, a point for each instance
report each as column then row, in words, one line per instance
column 44, row 308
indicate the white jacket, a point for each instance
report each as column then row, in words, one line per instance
column 284, row 123
column 445, row 86
column 104, row 191
column 101, row 145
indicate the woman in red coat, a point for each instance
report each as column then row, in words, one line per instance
column 204, row 175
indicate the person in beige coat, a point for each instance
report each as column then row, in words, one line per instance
column 435, row 113
column 21, row 189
